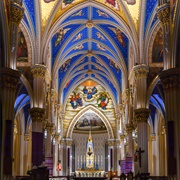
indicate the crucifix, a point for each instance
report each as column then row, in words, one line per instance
column 139, row 155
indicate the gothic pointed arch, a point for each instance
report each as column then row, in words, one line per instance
column 99, row 113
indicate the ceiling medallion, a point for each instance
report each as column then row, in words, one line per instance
column 89, row 54
column 90, row 24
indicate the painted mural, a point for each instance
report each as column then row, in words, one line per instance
column 22, row 51
column 89, row 92
column 90, row 121
column 157, row 53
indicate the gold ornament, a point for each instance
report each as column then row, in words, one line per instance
column 37, row 114
column 141, row 115
column 164, row 14
column 170, row 78
column 16, row 13
column 9, row 78
column 38, row 70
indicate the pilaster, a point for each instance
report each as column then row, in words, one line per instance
column 16, row 14
column 9, row 80
column 171, row 83
column 163, row 14
column 37, row 116
column 39, row 73
column 141, row 116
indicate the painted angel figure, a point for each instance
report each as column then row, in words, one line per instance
column 100, row 13
column 131, row 2
column 77, row 37
column 101, row 47
column 60, row 36
column 119, row 35
column 100, row 36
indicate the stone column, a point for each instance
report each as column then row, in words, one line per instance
column 37, row 117
column 141, row 116
column 171, row 81
column 28, row 149
column 56, row 155
column 129, row 130
column 16, row 14
column 164, row 16
column 9, row 80
column 39, row 72
column 68, row 155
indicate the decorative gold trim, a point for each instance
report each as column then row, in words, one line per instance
column 26, row 137
column 129, row 128
column 170, row 78
column 38, row 70
column 90, row 24
column 163, row 14
column 141, row 115
column 9, row 78
column 16, row 13
column 37, row 114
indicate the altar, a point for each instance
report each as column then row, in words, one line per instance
column 89, row 173
column 90, row 168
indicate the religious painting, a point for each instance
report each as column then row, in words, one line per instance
column 65, row 66
column 90, row 92
column 157, row 53
column 90, row 121
column 60, row 36
column 78, row 14
column 22, row 51
column 119, row 36
column 112, row 2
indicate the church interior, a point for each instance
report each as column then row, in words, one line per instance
column 89, row 88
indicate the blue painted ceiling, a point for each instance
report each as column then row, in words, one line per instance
column 81, row 46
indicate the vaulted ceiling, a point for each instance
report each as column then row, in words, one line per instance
column 96, row 40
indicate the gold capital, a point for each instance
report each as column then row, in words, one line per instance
column 26, row 137
column 16, row 13
column 141, row 71
column 163, row 14
column 37, row 114
column 141, row 115
column 38, row 70
column 129, row 128
column 170, row 78
column 9, row 78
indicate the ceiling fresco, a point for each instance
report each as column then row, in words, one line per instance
column 90, row 121
column 91, row 44
column 89, row 93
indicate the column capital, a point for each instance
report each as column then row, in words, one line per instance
column 50, row 127
column 69, row 142
column 26, row 137
column 111, row 142
column 16, row 13
column 153, row 137
column 129, row 128
column 57, row 136
column 38, row 70
column 9, row 78
column 141, row 115
column 122, row 136
column 37, row 114
column 163, row 13
column 170, row 78
column 139, row 71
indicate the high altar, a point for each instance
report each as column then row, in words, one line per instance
column 90, row 168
